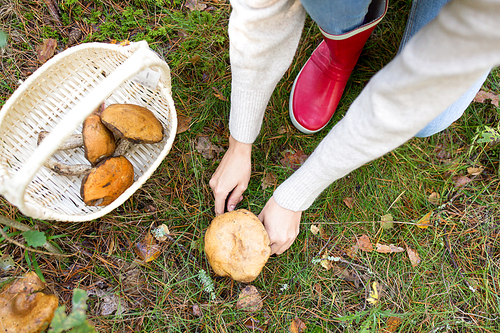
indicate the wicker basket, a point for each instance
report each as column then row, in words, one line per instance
column 57, row 98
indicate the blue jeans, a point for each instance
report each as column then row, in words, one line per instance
column 341, row 16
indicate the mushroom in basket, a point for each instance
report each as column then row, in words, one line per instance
column 110, row 173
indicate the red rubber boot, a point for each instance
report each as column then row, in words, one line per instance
column 318, row 88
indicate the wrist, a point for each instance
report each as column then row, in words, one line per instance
column 239, row 147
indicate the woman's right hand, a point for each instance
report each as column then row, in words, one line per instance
column 232, row 174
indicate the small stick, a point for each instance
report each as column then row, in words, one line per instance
column 447, row 244
column 7, row 238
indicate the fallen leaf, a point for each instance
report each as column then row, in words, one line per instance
column 297, row 326
column 325, row 263
column 442, row 153
column 147, row 250
column 194, row 59
column 53, row 10
column 364, row 243
column 197, row 311
column 352, row 251
column 253, row 324
column 269, row 180
column 109, row 302
column 392, row 324
column 474, row 171
column 314, row 229
column 382, row 248
column 461, row 181
column 206, row 148
column 413, row 255
column 386, row 221
column 482, row 96
column 349, row 202
column 195, row 5
column 219, row 95
column 74, row 36
column 434, row 198
column 425, row 221
column 249, row 299
column 125, row 42
column 161, row 232
column 345, row 274
column 46, row 50
column 374, row 294
column 294, row 160
column 183, row 123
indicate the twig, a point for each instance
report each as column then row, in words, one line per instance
column 7, row 238
column 21, row 226
column 447, row 244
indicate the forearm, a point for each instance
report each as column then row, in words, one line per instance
column 436, row 67
column 263, row 38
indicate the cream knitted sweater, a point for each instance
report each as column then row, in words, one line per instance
column 439, row 64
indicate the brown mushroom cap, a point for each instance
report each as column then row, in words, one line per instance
column 23, row 309
column 237, row 245
column 98, row 140
column 132, row 122
column 107, row 181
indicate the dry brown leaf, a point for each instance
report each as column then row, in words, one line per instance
column 183, row 123
column 197, row 311
column 413, row 255
column 345, row 274
column 474, row 171
column 269, row 180
column 147, row 250
column 391, row 248
column 349, row 202
column 482, row 96
column 352, row 251
column 442, row 153
column 391, row 325
column 253, row 324
column 425, row 221
column 461, row 181
column 53, row 10
column 74, row 36
column 434, row 198
column 194, row 59
column 195, row 5
column 297, row 326
column 314, row 229
column 294, row 160
column 219, row 95
column 206, row 148
column 109, row 302
column 364, row 243
column 46, row 50
column 249, row 299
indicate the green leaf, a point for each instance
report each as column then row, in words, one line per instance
column 77, row 320
column 3, row 38
column 34, row 238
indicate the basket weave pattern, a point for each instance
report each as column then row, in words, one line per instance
column 47, row 97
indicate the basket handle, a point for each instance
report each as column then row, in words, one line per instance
column 141, row 58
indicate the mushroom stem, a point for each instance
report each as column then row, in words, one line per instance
column 65, row 169
column 73, row 141
column 121, row 148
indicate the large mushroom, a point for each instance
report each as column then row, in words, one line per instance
column 24, row 308
column 107, row 181
column 98, row 140
column 237, row 245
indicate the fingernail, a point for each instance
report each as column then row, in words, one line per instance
column 231, row 207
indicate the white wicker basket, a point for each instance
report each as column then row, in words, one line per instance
column 57, row 98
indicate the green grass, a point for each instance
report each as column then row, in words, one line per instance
column 434, row 296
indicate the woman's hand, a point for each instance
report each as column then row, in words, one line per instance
column 232, row 174
column 282, row 225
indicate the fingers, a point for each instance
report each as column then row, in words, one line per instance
column 234, row 198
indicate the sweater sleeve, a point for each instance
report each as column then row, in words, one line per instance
column 263, row 35
column 435, row 68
